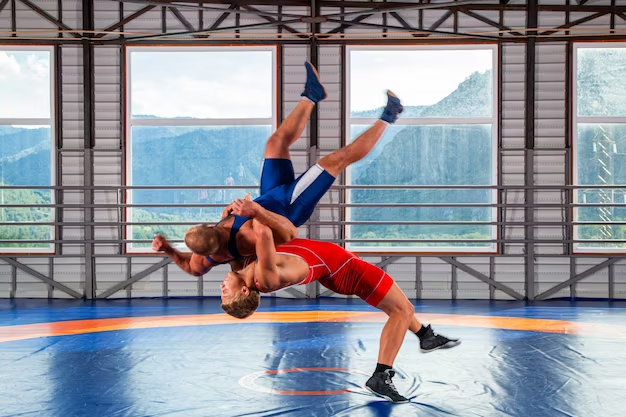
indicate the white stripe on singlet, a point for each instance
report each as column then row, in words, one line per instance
column 305, row 181
column 376, row 287
column 310, row 251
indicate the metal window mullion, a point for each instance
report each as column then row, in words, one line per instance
column 428, row 121
column 30, row 121
column 200, row 122
column 599, row 119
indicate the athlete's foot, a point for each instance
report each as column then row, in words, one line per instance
column 432, row 341
column 393, row 108
column 313, row 88
column 380, row 384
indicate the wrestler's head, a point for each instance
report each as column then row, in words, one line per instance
column 203, row 239
column 238, row 299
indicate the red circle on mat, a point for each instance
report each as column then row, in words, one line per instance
column 248, row 381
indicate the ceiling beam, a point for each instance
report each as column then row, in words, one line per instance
column 51, row 19
column 278, row 23
column 121, row 23
column 574, row 23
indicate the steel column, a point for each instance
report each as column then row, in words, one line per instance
column 612, row 281
column 454, row 285
column 13, row 289
column 88, row 143
column 492, row 275
column 418, row 277
column 313, row 289
column 165, row 289
column 529, row 156
column 58, row 144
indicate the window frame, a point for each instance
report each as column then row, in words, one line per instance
column 491, row 247
column 576, row 120
column 129, row 122
column 51, row 121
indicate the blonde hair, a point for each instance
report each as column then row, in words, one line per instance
column 243, row 306
column 203, row 240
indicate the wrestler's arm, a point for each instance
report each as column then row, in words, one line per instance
column 282, row 229
column 266, row 271
column 193, row 264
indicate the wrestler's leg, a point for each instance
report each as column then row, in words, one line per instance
column 400, row 312
column 401, row 315
column 337, row 161
column 289, row 131
column 292, row 127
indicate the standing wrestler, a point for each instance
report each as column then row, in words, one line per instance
column 302, row 261
column 285, row 201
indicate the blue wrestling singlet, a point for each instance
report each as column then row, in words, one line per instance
column 232, row 240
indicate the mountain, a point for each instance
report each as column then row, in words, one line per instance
column 25, row 156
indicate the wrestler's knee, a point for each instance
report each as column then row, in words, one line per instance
column 408, row 311
column 402, row 309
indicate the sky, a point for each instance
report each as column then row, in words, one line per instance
column 417, row 77
column 232, row 84
column 202, row 84
column 25, row 84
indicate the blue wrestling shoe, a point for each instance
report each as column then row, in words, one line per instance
column 313, row 88
column 393, row 108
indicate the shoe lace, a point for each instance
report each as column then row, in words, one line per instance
column 389, row 382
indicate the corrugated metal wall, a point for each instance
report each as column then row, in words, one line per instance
column 427, row 276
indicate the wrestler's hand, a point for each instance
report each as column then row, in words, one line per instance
column 246, row 208
column 160, row 244
column 227, row 211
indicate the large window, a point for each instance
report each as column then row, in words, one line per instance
column 446, row 137
column 600, row 146
column 196, row 116
column 26, row 135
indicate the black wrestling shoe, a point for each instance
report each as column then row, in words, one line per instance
column 380, row 384
column 432, row 341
